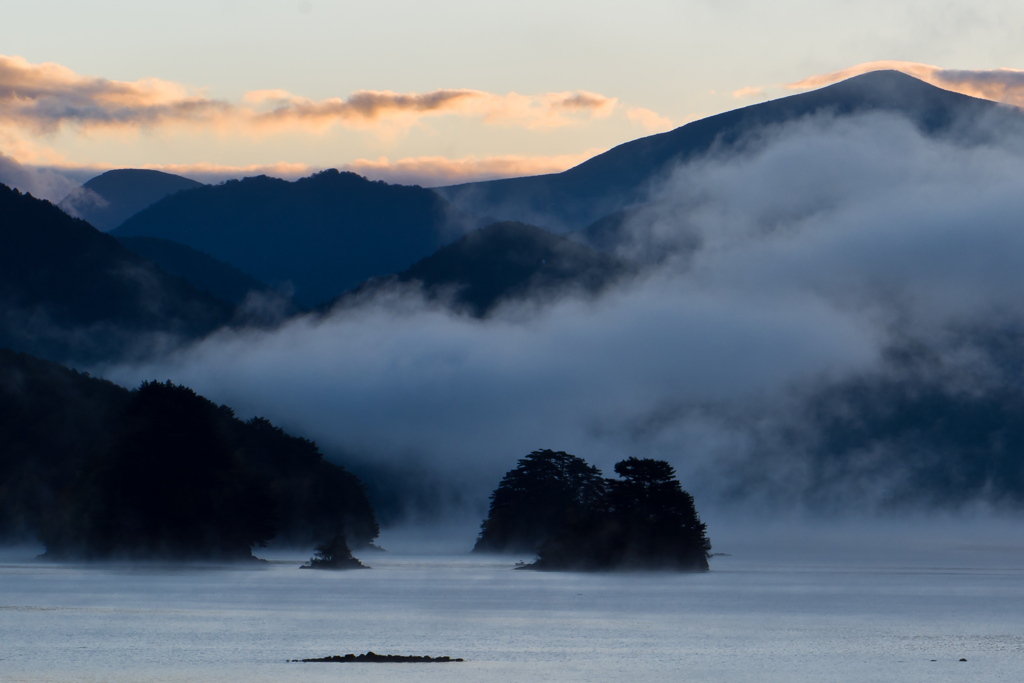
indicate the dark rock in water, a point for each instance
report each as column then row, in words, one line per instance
column 374, row 658
column 335, row 554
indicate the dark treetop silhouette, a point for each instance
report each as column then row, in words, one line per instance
column 645, row 521
column 535, row 500
column 96, row 471
column 559, row 506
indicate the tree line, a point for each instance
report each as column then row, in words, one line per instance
column 94, row 470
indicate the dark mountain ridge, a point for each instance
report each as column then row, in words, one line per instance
column 109, row 199
column 204, row 272
column 503, row 262
column 621, row 177
column 68, row 291
column 323, row 234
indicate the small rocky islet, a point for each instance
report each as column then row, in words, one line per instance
column 374, row 658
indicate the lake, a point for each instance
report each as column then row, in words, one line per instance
column 827, row 605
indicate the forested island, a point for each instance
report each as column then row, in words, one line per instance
column 96, row 471
column 556, row 505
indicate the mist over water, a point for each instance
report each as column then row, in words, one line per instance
column 792, row 602
column 825, row 252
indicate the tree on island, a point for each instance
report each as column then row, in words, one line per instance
column 558, row 506
column 334, row 554
column 535, row 501
column 645, row 521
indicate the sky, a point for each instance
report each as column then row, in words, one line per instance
column 439, row 92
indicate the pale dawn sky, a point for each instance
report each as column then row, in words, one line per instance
column 442, row 91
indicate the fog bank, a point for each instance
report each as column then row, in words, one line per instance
column 827, row 253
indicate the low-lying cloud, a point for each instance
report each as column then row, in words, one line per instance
column 55, row 182
column 435, row 171
column 44, row 183
column 805, row 261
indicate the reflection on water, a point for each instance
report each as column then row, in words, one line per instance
column 870, row 614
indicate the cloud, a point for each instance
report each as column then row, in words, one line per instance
column 398, row 379
column 436, row 171
column 749, row 92
column 799, row 264
column 363, row 107
column 650, row 120
column 44, row 183
column 216, row 173
column 44, row 97
column 1000, row 85
column 432, row 171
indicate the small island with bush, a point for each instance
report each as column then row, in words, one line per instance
column 556, row 505
column 334, row 554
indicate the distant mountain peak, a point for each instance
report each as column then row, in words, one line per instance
column 110, row 198
column 323, row 234
column 621, row 177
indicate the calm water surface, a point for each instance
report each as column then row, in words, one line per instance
column 825, row 613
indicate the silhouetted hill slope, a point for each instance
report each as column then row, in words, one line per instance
column 620, row 177
column 605, row 234
column 96, row 470
column 203, row 272
column 70, row 291
column 506, row 261
column 917, row 441
column 324, row 234
column 109, row 199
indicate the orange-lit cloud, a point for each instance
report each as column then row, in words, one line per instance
column 430, row 171
column 385, row 109
column 650, row 120
column 1000, row 85
column 434, row 171
column 209, row 172
column 45, row 97
column 748, row 92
